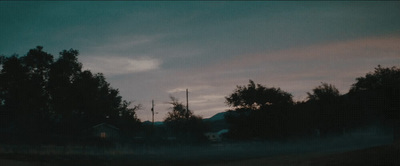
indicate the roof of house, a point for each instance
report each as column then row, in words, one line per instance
column 105, row 124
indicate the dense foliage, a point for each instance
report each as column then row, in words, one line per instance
column 382, row 90
column 40, row 95
column 269, row 113
column 258, row 111
column 257, row 96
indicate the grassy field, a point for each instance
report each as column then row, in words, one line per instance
column 383, row 155
column 355, row 149
column 388, row 155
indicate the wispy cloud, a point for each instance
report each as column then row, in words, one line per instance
column 298, row 70
column 295, row 70
column 206, row 99
column 192, row 88
column 125, row 42
column 371, row 48
column 115, row 65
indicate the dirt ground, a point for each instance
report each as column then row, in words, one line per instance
column 387, row 155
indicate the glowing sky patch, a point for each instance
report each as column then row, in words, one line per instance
column 120, row 65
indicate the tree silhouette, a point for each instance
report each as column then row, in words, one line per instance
column 63, row 74
column 178, row 112
column 328, row 112
column 258, row 97
column 13, row 86
column 377, row 94
column 184, row 123
column 258, row 111
column 324, row 92
column 381, row 79
column 384, row 84
column 38, row 95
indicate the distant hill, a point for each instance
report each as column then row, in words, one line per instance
column 155, row 123
column 217, row 122
column 216, row 117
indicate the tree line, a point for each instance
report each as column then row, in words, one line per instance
column 41, row 95
column 264, row 112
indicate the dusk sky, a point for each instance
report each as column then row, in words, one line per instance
column 150, row 50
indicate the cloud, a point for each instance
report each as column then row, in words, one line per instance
column 295, row 70
column 191, row 88
column 299, row 69
column 206, row 99
column 115, row 65
column 208, row 104
column 352, row 50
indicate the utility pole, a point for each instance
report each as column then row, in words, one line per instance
column 152, row 113
column 187, row 104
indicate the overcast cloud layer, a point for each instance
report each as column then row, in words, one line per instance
column 150, row 50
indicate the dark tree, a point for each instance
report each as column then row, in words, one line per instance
column 380, row 79
column 63, row 75
column 178, row 112
column 327, row 110
column 324, row 92
column 23, row 85
column 258, row 111
column 184, row 123
column 37, row 63
column 128, row 115
column 13, row 80
column 384, row 85
column 377, row 94
column 258, row 97
column 39, row 95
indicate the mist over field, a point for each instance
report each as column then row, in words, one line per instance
column 229, row 150
column 254, row 149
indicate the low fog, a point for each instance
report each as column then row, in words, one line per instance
column 228, row 150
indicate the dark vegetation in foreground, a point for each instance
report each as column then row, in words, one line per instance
column 270, row 113
column 54, row 102
column 47, row 101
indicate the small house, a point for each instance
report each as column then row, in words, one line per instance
column 105, row 131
